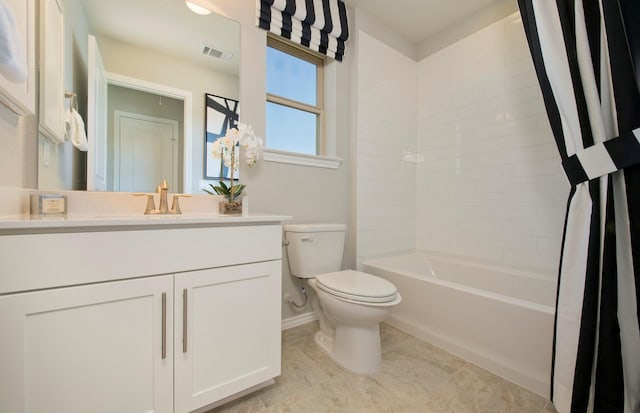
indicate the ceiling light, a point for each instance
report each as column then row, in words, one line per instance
column 197, row 9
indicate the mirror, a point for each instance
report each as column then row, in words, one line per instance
column 160, row 60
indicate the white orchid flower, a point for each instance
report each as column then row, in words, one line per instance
column 244, row 136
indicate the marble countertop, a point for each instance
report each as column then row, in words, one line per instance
column 103, row 221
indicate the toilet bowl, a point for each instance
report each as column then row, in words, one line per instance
column 349, row 304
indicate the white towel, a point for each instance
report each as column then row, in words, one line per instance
column 13, row 64
column 74, row 129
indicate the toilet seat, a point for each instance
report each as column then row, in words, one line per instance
column 357, row 286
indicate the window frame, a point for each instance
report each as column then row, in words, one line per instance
column 319, row 62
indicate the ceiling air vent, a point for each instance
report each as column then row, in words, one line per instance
column 217, row 53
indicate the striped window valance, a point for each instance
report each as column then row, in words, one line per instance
column 320, row 25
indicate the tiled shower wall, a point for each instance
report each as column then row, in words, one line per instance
column 386, row 136
column 491, row 186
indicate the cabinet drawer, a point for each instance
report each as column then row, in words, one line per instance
column 37, row 261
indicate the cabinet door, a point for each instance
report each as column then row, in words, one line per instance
column 95, row 348
column 227, row 332
column 52, row 70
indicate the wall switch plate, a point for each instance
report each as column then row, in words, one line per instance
column 46, row 153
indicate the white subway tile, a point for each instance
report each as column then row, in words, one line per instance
column 464, row 172
column 442, row 165
column 522, row 227
column 549, row 244
column 523, row 110
column 538, row 198
column 533, row 138
column 536, row 168
column 518, row 241
column 527, row 94
column 486, row 226
column 545, row 261
column 436, row 154
column 491, row 185
column 490, row 158
column 519, row 65
column 551, row 229
column 552, row 213
column 520, row 81
column 486, row 146
column 442, row 176
column 548, row 151
column 516, row 184
column 519, row 213
column 520, row 155
column 554, row 182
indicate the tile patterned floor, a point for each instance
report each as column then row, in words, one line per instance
column 415, row 377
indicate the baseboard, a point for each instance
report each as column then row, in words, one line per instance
column 235, row 396
column 298, row 320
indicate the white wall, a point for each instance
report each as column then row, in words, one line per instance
column 308, row 194
column 492, row 186
column 386, row 132
column 493, row 12
column 18, row 150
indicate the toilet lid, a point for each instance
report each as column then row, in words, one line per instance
column 358, row 286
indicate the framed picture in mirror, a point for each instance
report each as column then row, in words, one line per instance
column 221, row 114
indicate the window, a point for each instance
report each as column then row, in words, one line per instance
column 295, row 116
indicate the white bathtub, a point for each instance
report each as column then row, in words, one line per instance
column 499, row 319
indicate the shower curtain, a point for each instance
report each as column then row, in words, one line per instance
column 587, row 58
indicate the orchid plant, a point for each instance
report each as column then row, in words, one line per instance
column 225, row 149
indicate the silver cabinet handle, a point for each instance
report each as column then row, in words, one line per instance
column 184, row 320
column 164, row 326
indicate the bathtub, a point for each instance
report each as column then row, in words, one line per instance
column 497, row 318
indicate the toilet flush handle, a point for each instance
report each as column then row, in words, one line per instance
column 307, row 238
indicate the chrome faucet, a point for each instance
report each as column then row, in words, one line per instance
column 163, row 208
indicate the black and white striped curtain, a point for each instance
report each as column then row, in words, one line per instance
column 320, row 25
column 587, row 57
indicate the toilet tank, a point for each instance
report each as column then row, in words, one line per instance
column 314, row 249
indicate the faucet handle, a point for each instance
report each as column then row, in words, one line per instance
column 151, row 205
column 175, row 205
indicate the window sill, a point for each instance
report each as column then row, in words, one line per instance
column 272, row 155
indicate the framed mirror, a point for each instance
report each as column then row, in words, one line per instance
column 145, row 112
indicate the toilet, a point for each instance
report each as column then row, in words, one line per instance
column 349, row 305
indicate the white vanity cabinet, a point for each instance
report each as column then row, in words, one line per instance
column 168, row 319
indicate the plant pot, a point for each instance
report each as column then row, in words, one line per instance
column 227, row 207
